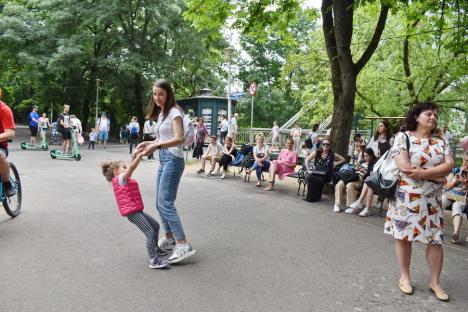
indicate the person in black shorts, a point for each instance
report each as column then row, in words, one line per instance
column 65, row 128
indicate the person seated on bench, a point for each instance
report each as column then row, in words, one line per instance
column 229, row 154
column 353, row 184
column 261, row 153
column 284, row 165
column 324, row 161
column 213, row 153
column 455, row 196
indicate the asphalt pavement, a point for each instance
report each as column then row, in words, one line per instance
column 70, row 250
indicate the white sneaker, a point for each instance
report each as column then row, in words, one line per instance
column 365, row 212
column 356, row 205
column 180, row 253
column 223, row 176
column 336, row 208
column 166, row 244
column 349, row 210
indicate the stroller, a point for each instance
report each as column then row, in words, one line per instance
column 55, row 136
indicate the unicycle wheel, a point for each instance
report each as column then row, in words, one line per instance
column 12, row 204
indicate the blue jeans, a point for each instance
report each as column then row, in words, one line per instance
column 167, row 181
column 258, row 169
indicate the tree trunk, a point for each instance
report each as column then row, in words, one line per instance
column 139, row 103
column 337, row 26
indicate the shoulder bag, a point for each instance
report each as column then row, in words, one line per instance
column 384, row 179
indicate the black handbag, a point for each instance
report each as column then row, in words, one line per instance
column 320, row 172
column 382, row 188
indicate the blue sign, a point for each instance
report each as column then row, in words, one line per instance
column 237, row 95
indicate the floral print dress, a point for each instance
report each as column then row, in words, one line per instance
column 416, row 213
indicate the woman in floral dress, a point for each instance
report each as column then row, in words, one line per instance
column 416, row 213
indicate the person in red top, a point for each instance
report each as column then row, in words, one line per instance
column 7, row 132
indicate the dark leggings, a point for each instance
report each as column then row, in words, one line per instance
column 133, row 140
column 225, row 161
column 315, row 184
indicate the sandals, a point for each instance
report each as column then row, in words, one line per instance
column 439, row 293
column 405, row 287
column 271, row 187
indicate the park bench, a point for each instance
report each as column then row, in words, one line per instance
column 247, row 173
column 300, row 175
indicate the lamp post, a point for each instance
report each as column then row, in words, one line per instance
column 97, row 98
column 229, row 52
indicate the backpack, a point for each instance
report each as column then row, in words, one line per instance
column 238, row 160
column 134, row 130
column 59, row 125
column 246, row 149
column 347, row 174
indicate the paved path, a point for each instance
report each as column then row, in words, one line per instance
column 70, row 250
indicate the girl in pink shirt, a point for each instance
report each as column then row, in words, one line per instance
column 284, row 165
column 128, row 196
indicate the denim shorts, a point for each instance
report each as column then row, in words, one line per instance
column 103, row 135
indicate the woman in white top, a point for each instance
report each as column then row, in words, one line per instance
column 274, row 135
column 296, row 133
column 261, row 153
column 149, row 132
column 382, row 140
column 169, row 142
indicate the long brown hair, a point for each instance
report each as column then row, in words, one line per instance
column 387, row 133
column 153, row 110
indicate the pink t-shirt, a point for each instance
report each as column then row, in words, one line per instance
column 285, row 156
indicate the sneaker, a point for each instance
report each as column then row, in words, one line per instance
column 210, row 174
column 10, row 188
column 157, row 263
column 349, row 210
column 365, row 212
column 336, row 208
column 180, row 253
column 356, row 205
column 166, row 244
column 161, row 252
column 223, row 176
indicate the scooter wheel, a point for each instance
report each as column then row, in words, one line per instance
column 52, row 155
column 78, row 157
column 23, row 146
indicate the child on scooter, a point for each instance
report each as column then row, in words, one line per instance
column 128, row 196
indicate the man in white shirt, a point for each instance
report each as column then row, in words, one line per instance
column 224, row 127
column 103, row 126
column 234, row 126
column 213, row 153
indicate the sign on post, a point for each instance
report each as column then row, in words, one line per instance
column 252, row 88
column 252, row 91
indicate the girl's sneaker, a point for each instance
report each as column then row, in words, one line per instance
column 336, row 208
column 180, row 253
column 157, row 263
column 223, row 176
column 356, row 205
column 365, row 212
column 166, row 244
